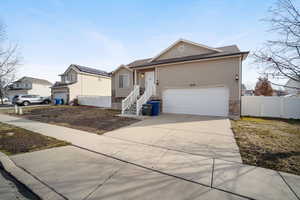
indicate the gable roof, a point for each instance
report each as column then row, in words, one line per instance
column 230, row 50
column 185, row 41
column 89, row 70
column 121, row 67
column 34, row 80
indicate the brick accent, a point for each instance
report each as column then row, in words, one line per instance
column 234, row 108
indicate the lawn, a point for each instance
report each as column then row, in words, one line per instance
column 91, row 119
column 269, row 143
column 14, row 140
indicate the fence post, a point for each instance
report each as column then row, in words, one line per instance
column 281, row 107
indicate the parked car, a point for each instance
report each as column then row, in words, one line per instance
column 28, row 99
column 5, row 100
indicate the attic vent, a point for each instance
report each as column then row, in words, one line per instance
column 181, row 48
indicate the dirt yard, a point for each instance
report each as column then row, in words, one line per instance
column 269, row 143
column 14, row 140
column 95, row 120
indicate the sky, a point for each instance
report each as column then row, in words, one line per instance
column 52, row 34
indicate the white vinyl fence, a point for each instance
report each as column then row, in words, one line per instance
column 280, row 107
column 97, row 101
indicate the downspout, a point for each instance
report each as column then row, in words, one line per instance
column 241, row 75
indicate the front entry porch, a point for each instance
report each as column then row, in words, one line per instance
column 144, row 89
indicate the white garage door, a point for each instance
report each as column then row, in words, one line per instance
column 61, row 95
column 204, row 101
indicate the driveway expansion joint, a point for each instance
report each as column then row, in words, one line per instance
column 101, row 184
column 212, row 173
column 288, row 185
column 160, row 172
column 166, row 148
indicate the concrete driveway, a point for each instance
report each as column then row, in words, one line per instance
column 206, row 136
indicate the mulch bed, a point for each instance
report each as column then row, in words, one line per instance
column 95, row 120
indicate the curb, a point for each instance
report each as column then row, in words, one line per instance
column 40, row 189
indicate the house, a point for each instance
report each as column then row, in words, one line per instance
column 247, row 92
column 187, row 77
column 80, row 80
column 29, row 85
column 292, row 87
column 279, row 92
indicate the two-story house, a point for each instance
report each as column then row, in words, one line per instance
column 292, row 87
column 29, row 85
column 79, row 80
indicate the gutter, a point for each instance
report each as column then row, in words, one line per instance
column 192, row 59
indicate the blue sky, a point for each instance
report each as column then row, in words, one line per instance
column 52, row 34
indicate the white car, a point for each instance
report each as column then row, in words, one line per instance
column 27, row 99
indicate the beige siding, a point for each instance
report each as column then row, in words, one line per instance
column 187, row 50
column 213, row 73
column 39, row 89
column 12, row 93
column 122, row 92
column 90, row 85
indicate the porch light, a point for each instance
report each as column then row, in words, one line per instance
column 142, row 75
column 236, row 77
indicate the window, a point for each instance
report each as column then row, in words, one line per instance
column 123, row 81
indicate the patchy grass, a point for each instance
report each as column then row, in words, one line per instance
column 14, row 140
column 269, row 143
column 92, row 119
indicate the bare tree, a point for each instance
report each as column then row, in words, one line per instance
column 9, row 60
column 281, row 58
column 263, row 87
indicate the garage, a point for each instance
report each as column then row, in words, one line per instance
column 196, row 101
column 61, row 95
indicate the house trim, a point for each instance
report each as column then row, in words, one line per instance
column 241, row 55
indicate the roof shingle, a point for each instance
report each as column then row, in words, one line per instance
column 34, row 80
column 226, row 51
column 91, row 70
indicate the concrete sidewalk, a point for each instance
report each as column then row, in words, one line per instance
column 233, row 177
column 80, row 174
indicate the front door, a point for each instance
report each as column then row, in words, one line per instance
column 149, row 78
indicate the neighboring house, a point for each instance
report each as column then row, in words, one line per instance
column 280, row 93
column 247, row 92
column 293, row 87
column 187, row 77
column 29, row 85
column 80, row 80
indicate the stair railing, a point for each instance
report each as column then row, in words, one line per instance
column 131, row 98
column 149, row 91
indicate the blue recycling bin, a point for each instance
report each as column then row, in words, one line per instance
column 56, row 101
column 155, row 107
